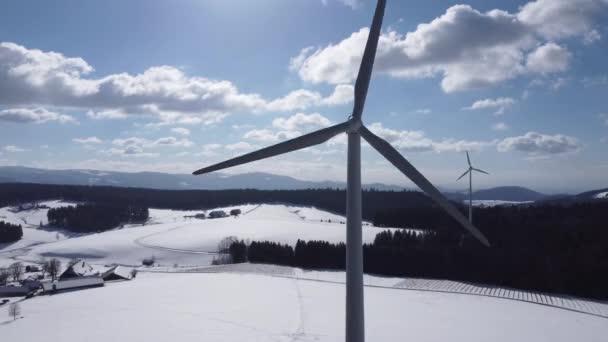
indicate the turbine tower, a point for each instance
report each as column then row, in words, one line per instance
column 470, row 172
column 353, row 126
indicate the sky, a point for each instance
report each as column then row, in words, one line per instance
column 172, row 86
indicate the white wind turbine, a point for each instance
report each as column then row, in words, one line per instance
column 355, row 331
column 470, row 172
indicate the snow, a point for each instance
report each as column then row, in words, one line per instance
column 176, row 237
column 254, row 307
column 494, row 203
column 601, row 195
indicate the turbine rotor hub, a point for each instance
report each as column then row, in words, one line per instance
column 354, row 125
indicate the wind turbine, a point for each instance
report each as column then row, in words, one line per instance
column 353, row 126
column 470, row 172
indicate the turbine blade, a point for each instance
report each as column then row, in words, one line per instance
column 390, row 153
column 482, row 171
column 295, row 144
column 469, row 159
column 367, row 63
column 464, row 174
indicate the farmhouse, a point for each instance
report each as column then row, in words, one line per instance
column 73, row 284
column 78, row 269
column 217, row 214
column 118, row 273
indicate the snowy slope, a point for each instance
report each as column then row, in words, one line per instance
column 601, row 195
column 175, row 237
column 237, row 307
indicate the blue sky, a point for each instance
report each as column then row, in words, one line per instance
column 174, row 86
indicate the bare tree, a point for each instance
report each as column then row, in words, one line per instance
column 53, row 267
column 4, row 277
column 43, row 266
column 16, row 270
column 224, row 244
column 14, row 310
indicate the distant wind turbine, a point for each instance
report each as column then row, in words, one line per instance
column 355, row 129
column 470, row 172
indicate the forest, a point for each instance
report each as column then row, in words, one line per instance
column 553, row 248
column 10, row 232
column 332, row 200
column 89, row 218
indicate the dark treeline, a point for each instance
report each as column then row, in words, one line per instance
column 88, row 218
column 328, row 199
column 552, row 248
column 10, row 232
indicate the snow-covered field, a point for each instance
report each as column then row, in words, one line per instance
column 248, row 302
column 172, row 236
column 494, row 203
column 254, row 307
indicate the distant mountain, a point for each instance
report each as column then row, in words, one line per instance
column 501, row 193
column 157, row 180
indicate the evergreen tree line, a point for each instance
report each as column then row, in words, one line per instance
column 333, row 200
column 551, row 248
column 10, row 232
column 88, row 218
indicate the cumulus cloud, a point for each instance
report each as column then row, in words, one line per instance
column 181, row 131
column 89, row 140
column 465, row 47
column 111, row 114
column 417, row 141
column 536, row 144
column 33, row 115
column 557, row 19
column 288, row 128
column 172, row 142
column 30, row 76
column 301, row 121
column 500, row 104
column 548, row 58
column 209, row 150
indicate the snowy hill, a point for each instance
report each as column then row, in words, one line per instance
column 176, row 237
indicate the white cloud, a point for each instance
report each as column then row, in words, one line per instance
column 557, row 19
column 240, row 146
column 181, row 131
column 30, row 76
column 301, row 121
column 33, row 115
column 13, row 148
column 465, row 47
column 537, row 144
column 288, row 128
column 604, row 117
column 89, row 140
column 111, row 114
column 500, row 126
column 500, row 104
column 422, row 111
column 267, row 135
column 548, row 58
column 172, row 142
column 209, row 150
column 417, row 141
column 350, row 3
